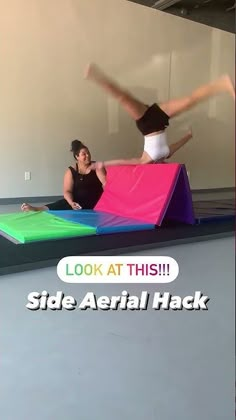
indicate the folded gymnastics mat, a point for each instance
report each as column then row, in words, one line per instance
column 135, row 198
column 149, row 193
column 39, row 226
column 104, row 223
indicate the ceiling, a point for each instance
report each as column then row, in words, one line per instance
column 215, row 13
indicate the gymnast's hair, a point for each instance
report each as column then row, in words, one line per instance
column 76, row 147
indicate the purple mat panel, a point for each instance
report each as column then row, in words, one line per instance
column 180, row 207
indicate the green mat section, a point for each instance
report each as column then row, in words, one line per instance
column 39, row 226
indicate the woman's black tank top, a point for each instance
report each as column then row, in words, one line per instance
column 87, row 189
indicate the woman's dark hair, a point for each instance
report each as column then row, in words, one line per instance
column 76, row 146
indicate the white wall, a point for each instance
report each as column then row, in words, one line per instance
column 45, row 102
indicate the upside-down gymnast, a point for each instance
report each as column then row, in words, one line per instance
column 153, row 120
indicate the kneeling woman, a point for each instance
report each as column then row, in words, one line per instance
column 82, row 188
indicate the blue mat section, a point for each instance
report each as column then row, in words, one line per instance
column 209, row 219
column 215, row 210
column 104, row 222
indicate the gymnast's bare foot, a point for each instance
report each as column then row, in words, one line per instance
column 189, row 133
column 227, row 85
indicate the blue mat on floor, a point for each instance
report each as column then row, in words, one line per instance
column 214, row 210
column 103, row 222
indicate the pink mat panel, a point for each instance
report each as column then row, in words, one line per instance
column 141, row 192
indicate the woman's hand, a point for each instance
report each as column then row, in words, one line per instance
column 75, row 206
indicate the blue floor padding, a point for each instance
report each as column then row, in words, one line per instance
column 215, row 210
column 104, row 222
column 208, row 219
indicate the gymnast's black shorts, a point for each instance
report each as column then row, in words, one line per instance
column 153, row 120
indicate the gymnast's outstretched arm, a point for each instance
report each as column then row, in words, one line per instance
column 134, row 161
